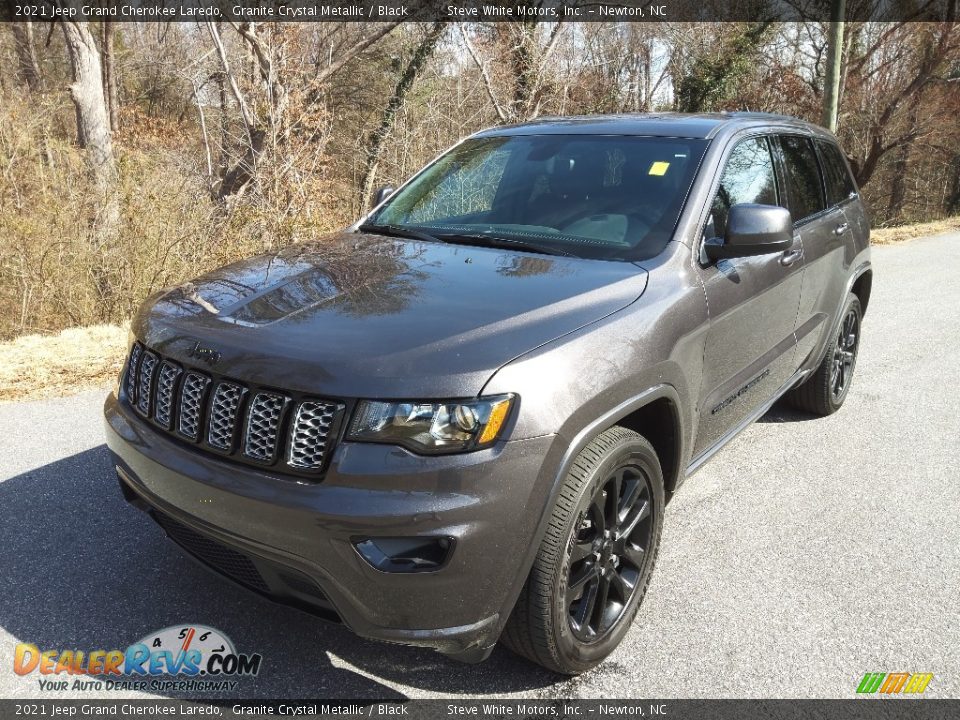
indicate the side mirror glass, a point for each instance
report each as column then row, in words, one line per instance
column 753, row 230
column 382, row 194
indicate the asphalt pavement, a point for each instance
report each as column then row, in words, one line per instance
column 806, row 553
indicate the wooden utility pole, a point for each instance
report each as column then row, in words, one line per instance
column 831, row 94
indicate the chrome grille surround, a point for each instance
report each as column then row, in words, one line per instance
column 263, row 426
column 163, row 402
column 310, row 430
column 191, row 404
column 223, row 415
column 148, row 365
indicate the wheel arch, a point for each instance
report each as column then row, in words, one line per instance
column 642, row 412
column 861, row 287
column 659, row 422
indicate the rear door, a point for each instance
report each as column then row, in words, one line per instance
column 752, row 301
column 814, row 195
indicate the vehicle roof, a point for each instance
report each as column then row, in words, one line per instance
column 667, row 124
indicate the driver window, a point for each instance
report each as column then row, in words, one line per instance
column 748, row 177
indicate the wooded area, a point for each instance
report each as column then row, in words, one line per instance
column 136, row 155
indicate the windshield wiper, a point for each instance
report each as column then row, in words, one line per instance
column 501, row 241
column 399, row 231
column 463, row 238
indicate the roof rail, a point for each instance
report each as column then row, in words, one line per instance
column 759, row 115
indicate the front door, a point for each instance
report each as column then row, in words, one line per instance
column 752, row 303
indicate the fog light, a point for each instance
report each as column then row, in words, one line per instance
column 405, row 555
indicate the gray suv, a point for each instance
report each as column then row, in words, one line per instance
column 459, row 420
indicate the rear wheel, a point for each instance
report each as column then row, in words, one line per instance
column 595, row 560
column 824, row 392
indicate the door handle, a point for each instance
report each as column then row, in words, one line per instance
column 841, row 229
column 790, row 257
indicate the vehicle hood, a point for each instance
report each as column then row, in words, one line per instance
column 356, row 315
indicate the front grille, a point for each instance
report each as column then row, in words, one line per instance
column 274, row 428
column 145, row 384
column 133, row 369
column 224, row 559
column 166, row 384
column 223, row 415
column 191, row 404
column 263, row 422
column 311, row 428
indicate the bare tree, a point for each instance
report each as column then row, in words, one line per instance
column 521, row 51
column 110, row 74
column 266, row 123
column 920, row 56
column 29, row 69
column 376, row 139
column 705, row 81
column 93, row 123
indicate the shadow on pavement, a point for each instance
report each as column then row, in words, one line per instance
column 82, row 569
column 783, row 412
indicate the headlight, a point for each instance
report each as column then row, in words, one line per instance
column 431, row 427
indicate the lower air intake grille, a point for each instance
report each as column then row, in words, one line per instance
column 224, row 559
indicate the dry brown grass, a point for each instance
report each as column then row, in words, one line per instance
column 40, row 366
column 891, row 235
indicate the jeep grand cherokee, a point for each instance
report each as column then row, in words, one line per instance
column 459, row 420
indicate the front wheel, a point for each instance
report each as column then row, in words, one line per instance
column 824, row 392
column 595, row 560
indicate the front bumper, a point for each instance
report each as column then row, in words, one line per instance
column 294, row 541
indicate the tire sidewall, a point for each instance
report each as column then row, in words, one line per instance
column 852, row 303
column 573, row 652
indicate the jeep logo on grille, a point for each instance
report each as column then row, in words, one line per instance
column 205, row 354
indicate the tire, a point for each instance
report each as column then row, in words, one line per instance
column 819, row 394
column 553, row 623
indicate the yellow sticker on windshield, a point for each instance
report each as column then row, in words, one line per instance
column 659, row 168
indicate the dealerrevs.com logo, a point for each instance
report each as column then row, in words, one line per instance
column 177, row 658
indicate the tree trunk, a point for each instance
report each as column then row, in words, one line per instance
column 898, row 186
column 376, row 139
column 953, row 202
column 831, row 95
column 93, row 134
column 110, row 75
column 93, row 123
column 29, row 69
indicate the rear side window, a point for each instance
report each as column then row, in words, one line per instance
column 804, row 188
column 835, row 173
column 748, row 177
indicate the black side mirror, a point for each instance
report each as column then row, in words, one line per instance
column 753, row 230
column 382, row 194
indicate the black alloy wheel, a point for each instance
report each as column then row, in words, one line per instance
column 824, row 391
column 845, row 354
column 609, row 549
column 596, row 557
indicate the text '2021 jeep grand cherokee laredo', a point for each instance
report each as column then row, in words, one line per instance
column 459, row 420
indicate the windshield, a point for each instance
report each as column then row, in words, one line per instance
column 596, row 196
